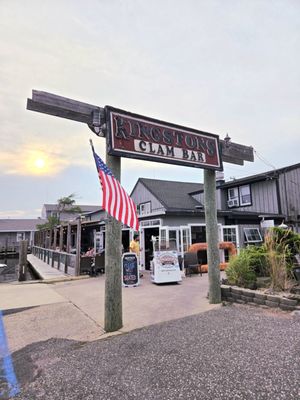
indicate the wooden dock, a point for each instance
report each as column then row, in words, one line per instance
column 49, row 274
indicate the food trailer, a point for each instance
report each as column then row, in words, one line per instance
column 164, row 265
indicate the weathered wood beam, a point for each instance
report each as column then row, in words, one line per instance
column 232, row 160
column 59, row 106
column 62, row 102
column 236, row 151
column 58, row 112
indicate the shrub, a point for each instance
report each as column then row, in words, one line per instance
column 239, row 271
column 285, row 241
column 258, row 259
column 278, row 257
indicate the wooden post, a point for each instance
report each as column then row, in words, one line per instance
column 55, row 238
column 213, row 256
column 113, row 286
column 61, row 238
column 50, row 238
column 44, row 238
column 48, row 241
column 78, row 247
column 68, row 237
column 22, row 260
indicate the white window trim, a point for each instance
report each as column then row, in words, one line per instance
column 236, row 200
column 248, row 203
column 145, row 208
column 21, row 236
column 233, row 201
column 253, row 241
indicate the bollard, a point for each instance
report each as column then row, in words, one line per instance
column 22, row 261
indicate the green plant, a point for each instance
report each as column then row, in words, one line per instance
column 286, row 241
column 281, row 247
column 67, row 205
column 50, row 224
column 239, row 271
column 258, row 259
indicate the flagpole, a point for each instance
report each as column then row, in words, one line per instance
column 92, row 146
column 113, row 319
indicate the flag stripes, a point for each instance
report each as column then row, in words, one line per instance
column 115, row 199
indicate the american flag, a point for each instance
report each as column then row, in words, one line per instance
column 115, row 200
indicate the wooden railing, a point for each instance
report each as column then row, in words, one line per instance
column 60, row 260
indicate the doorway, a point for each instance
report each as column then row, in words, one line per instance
column 148, row 246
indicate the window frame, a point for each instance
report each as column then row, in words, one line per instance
column 254, row 240
column 238, row 196
column 20, row 236
column 149, row 209
column 248, row 203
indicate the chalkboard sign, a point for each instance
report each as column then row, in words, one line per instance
column 130, row 271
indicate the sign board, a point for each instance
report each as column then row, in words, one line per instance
column 130, row 270
column 269, row 223
column 165, row 267
column 135, row 136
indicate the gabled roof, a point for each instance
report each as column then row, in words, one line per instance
column 269, row 175
column 173, row 195
column 20, row 225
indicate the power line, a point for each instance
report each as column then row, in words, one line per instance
column 266, row 162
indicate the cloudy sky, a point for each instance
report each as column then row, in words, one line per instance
column 220, row 66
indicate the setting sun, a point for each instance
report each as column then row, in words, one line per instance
column 39, row 163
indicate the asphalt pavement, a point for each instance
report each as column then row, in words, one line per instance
column 233, row 352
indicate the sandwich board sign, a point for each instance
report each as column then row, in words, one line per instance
column 130, row 270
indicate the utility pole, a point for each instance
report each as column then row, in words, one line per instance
column 113, row 319
column 211, row 221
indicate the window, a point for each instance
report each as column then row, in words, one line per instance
column 229, row 235
column 20, row 236
column 245, row 195
column 151, row 222
column 233, row 197
column 145, row 208
column 233, row 193
column 239, row 196
column 252, row 235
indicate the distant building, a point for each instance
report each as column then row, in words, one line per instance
column 51, row 210
column 12, row 231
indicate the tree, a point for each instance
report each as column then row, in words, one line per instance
column 50, row 224
column 64, row 205
column 67, row 205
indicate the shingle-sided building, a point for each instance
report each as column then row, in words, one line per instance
column 12, row 231
column 245, row 207
column 51, row 210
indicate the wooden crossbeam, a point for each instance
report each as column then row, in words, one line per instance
column 52, row 104
column 59, row 112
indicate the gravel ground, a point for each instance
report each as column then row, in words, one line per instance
column 236, row 352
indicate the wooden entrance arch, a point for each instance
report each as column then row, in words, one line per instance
column 196, row 247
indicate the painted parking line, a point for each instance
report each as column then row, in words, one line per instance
column 8, row 381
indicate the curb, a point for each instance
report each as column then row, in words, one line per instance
column 244, row 296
